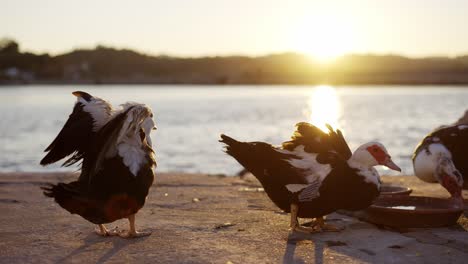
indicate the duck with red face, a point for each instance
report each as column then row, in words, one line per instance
column 314, row 174
column 442, row 157
column 380, row 154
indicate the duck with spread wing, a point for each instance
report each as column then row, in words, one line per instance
column 117, row 162
column 315, row 173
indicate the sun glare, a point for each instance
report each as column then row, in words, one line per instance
column 324, row 107
column 323, row 37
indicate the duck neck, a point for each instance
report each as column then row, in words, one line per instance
column 365, row 168
column 356, row 162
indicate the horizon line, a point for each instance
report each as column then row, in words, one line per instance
column 243, row 54
column 231, row 54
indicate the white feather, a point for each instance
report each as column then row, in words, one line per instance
column 129, row 144
column 99, row 110
column 425, row 162
column 368, row 172
column 364, row 162
column 370, row 175
column 294, row 188
column 132, row 154
column 308, row 162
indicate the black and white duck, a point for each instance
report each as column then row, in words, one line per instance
column 117, row 162
column 315, row 173
column 442, row 156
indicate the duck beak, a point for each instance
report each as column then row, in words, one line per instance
column 391, row 165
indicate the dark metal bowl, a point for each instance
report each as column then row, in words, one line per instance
column 394, row 190
column 413, row 211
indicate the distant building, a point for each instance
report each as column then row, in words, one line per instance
column 15, row 74
column 12, row 73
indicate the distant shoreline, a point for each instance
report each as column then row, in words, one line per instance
column 107, row 65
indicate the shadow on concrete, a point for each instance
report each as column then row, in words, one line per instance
column 291, row 244
column 118, row 244
column 318, row 243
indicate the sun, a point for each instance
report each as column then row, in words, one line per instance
column 323, row 37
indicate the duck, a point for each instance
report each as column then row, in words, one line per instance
column 117, row 162
column 441, row 157
column 314, row 174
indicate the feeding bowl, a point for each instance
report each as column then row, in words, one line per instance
column 413, row 211
column 394, row 190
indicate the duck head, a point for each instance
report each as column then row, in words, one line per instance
column 372, row 154
column 139, row 118
column 435, row 164
column 450, row 178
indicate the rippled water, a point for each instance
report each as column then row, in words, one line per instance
column 190, row 118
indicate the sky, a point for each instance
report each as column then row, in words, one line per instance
column 323, row 29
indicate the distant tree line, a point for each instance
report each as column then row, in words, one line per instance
column 110, row 65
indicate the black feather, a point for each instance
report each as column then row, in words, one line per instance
column 73, row 139
column 315, row 140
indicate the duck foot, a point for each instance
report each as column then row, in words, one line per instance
column 103, row 231
column 320, row 226
column 133, row 234
column 306, row 230
column 295, row 226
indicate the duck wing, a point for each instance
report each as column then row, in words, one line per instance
column 315, row 153
column 329, row 147
column 455, row 138
column 269, row 164
column 77, row 135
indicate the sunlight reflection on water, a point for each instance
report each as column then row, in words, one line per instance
column 324, row 106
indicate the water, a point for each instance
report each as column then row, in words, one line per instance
column 190, row 118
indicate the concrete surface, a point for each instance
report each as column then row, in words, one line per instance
column 209, row 219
